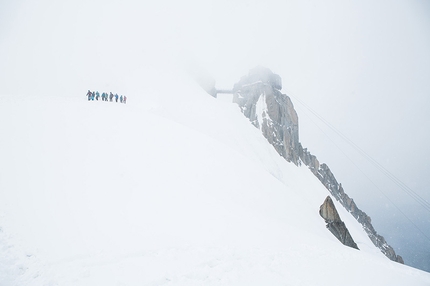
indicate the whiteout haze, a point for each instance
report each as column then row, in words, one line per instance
column 174, row 188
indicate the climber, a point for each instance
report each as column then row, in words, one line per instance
column 124, row 99
column 97, row 95
column 120, row 99
column 110, row 96
column 116, row 97
column 89, row 95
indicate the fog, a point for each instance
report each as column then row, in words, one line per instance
column 362, row 66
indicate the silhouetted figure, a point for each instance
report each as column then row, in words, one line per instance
column 89, row 93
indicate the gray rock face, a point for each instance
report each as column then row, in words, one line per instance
column 328, row 211
column 269, row 110
column 259, row 98
column 336, row 226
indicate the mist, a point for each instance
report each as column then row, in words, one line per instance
column 363, row 66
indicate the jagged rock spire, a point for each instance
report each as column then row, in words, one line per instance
column 268, row 109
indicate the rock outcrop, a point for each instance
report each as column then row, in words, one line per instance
column 336, row 226
column 259, row 98
column 269, row 110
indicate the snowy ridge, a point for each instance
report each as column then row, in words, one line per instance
column 167, row 190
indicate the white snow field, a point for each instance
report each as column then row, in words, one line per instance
column 173, row 188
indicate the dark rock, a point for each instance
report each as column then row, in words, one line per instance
column 336, row 226
column 400, row 259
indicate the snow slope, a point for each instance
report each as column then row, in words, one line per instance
column 174, row 188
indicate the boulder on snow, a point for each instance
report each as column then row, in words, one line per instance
column 336, row 226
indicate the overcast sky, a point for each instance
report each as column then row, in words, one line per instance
column 363, row 66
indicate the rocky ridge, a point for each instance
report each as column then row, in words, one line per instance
column 259, row 98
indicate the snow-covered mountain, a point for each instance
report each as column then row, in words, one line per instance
column 173, row 188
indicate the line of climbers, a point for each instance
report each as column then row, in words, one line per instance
column 105, row 96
